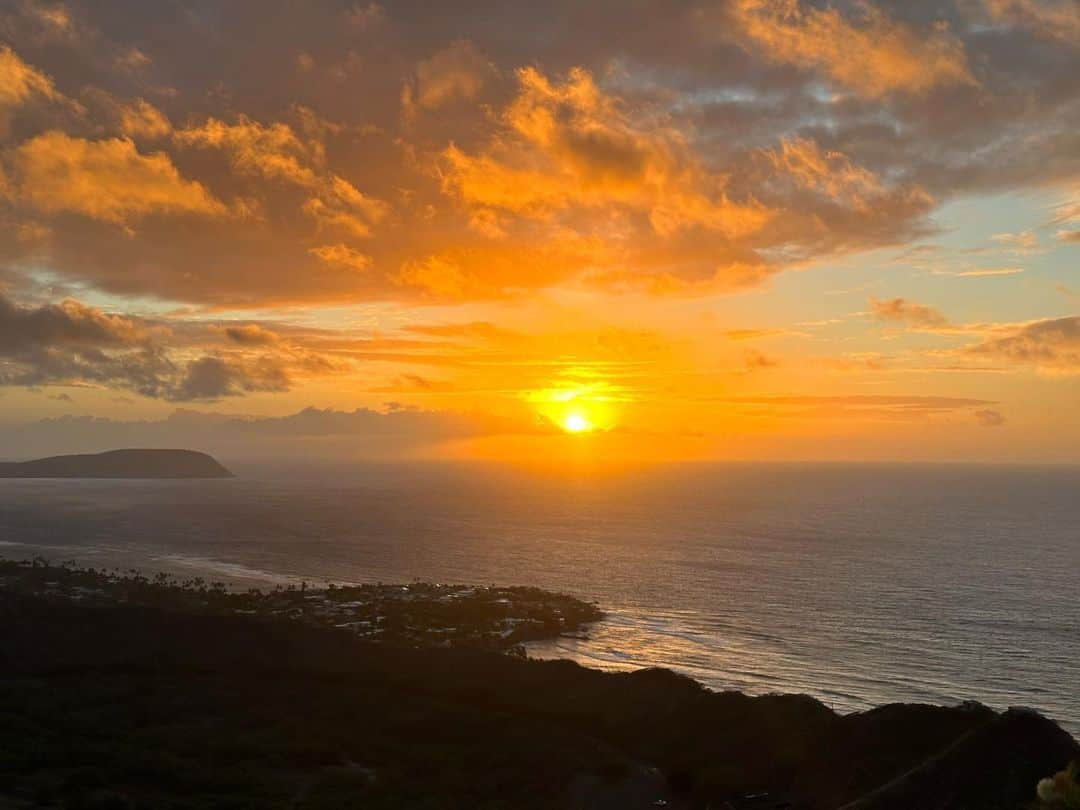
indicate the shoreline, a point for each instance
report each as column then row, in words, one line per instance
column 152, row 702
column 502, row 619
column 546, row 640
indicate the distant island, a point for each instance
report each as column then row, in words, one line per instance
column 120, row 690
column 120, row 464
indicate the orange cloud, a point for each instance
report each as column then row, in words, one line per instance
column 980, row 272
column 21, row 84
column 273, row 151
column 340, row 255
column 904, row 311
column 1051, row 19
column 140, row 119
column 830, row 173
column 874, row 406
column 567, row 146
column 458, row 72
column 338, row 204
column 277, row 152
column 19, row 81
column 869, row 53
column 441, row 276
column 106, row 180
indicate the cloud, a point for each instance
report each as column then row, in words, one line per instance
column 365, row 16
column 337, row 204
column 277, row 152
column 869, row 52
column 980, row 272
column 756, row 360
column 29, row 95
column 858, row 362
column 72, row 343
column 471, row 330
column 1057, row 20
column 568, row 145
column 69, row 323
column 902, row 310
column 989, row 418
column 828, row 203
column 456, row 73
column 1051, row 345
column 273, row 151
column 1020, row 243
column 19, row 82
column 142, row 120
column 106, row 180
column 753, row 334
column 54, row 17
column 886, row 407
column 680, row 155
column 341, row 255
column 588, row 190
column 217, row 377
column 832, row 173
column 367, row 433
column 251, row 334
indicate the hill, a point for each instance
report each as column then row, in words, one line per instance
column 114, row 704
column 120, row 464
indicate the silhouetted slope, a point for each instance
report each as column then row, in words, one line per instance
column 188, row 710
column 1014, row 746
column 120, row 464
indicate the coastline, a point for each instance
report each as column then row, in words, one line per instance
column 422, row 614
column 836, row 589
column 312, row 710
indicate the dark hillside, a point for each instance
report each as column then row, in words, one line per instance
column 120, row 464
column 146, row 708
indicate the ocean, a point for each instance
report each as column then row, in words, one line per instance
column 857, row 584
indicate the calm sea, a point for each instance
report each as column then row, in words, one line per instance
column 856, row 584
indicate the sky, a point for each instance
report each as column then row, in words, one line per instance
column 559, row 233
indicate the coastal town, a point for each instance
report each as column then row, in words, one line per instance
column 416, row 614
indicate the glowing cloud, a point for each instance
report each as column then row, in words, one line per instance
column 869, row 53
column 107, row 180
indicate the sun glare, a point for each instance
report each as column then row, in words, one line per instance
column 576, row 423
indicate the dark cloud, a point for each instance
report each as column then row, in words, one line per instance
column 69, row 324
column 1051, row 345
column 215, row 377
column 251, row 334
column 71, row 343
column 989, row 418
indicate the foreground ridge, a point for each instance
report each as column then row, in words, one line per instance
column 113, row 703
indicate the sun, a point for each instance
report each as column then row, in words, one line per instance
column 576, row 423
